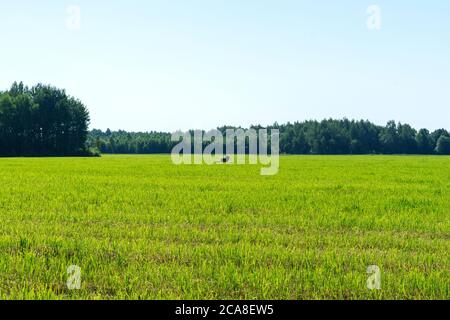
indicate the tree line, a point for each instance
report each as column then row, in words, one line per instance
column 42, row 121
column 45, row 121
column 309, row 137
column 123, row 142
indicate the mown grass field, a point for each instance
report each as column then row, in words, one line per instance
column 140, row 227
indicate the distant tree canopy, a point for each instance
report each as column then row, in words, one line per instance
column 45, row 121
column 309, row 137
column 42, row 121
column 122, row 142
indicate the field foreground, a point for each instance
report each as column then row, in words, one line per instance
column 140, row 227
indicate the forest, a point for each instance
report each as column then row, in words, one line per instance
column 46, row 121
column 308, row 137
column 42, row 121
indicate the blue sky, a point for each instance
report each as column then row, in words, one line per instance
column 180, row 64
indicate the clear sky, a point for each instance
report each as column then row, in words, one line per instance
column 180, row 64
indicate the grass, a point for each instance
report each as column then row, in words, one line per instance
column 140, row 227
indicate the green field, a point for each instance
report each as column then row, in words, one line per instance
column 140, row 227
